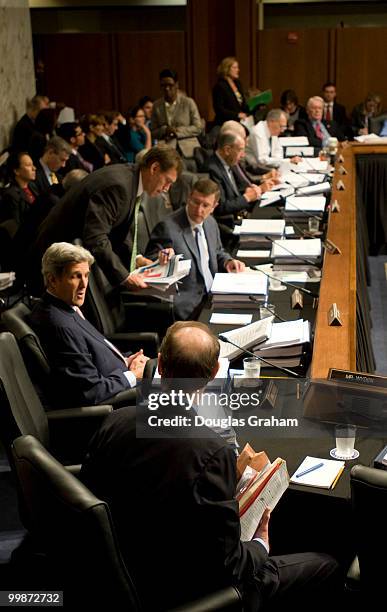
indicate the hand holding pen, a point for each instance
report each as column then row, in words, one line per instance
column 165, row 254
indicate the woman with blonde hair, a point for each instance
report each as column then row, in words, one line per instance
column 227, row 96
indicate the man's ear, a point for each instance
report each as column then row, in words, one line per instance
column 51, row 281
column 154, row 167
column 215, row 370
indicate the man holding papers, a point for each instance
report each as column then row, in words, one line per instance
column 174, row 507
column 193, row 232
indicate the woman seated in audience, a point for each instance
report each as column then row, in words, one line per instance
column 93, row 127
column 138, row 134
column 20, row 195
column 146, row 103
column 289, row 103
column 362, row 113
column 227, row 96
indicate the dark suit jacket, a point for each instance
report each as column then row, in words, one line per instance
column 73, row 163
column 304, row 127
column 112, row 148
column 176, row 231
column 92, row 154
column 100, row 211
column 175, row 499
column 340, row 115
column 14, row 204
column 84, row 370
column 226, row 106
column 43, row 187
column 230, row 203
column 22, row 134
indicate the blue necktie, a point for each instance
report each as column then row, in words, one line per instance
column 205, row 268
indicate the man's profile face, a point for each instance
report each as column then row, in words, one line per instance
column 79, row 139
column 329, row 93
column 156, row 181
column 235, row 152
column 169, row 87
column 71, row 285
column 55, row 161
column 200, row 206
column 277, row 127
column 315, row 110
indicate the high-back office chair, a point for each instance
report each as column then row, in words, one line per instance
column 369, row 508
column 78, row 536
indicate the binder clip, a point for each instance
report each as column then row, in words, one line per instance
column 331, row 247
column 335, row 206
column 297, row 300
column 342, row 170
column 340, row 186
column 334, row 316
column 340, row 159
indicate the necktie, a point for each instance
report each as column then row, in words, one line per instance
column 85, row 164
column 205, row 268
column 232, row 180
column 134, row 248
column 53, row 178
column 110, row 345
column 242, row 175
column 270, row 143
column 79, row 311
column 328, row 116
column 318, row 131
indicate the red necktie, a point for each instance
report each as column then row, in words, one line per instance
column 328, row 113
column 318, row 131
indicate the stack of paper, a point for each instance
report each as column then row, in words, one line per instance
column 286, row 343
column 296, row 251
column 246, row 337
column 295, row 180
column 317, row 188
column 259, row 233
column 234, row 289
column 300, row 151
column 162, row 279
column 301, row 206
column 294, row 141
column 314, row 164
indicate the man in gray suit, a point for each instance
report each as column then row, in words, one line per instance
column 192, row 231
column 101, row 210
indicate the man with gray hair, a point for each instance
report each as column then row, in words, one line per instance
column 85, row 367
column 314, row 128
column 263, row 144
column 55, row 156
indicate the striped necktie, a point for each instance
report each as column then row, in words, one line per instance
column 134, row 247
column 205, row 268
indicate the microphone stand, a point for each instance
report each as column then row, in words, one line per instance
column 254, row 299
column 302, row 289
column 308, row 261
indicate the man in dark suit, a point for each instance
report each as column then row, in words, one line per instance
column 101, row 209
column 107, row 144
column 85, row 367
column 172, row 494
column 73, row 134
column 55, row 156
column 315, row 128
column 333, row 111
column 192, row 231
column 25, row 127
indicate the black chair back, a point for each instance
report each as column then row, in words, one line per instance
column 103, row 305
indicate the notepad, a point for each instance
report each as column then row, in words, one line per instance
column 324, row 477
column 223, row 318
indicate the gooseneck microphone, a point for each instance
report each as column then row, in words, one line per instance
column 272, row 365
column 302, row 289
column 303, row 259
column 304, row 212
column 256, row 301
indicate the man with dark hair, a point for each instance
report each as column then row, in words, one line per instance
column 192, row 231
column 55, row 156
column 73, row 134
column 101, row 210
column 174, row 115
column 333, row 111
column 25, row 127
column 173, row 496
column 107, row 143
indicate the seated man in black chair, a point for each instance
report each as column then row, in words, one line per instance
column 85, row 366
column 172, row 498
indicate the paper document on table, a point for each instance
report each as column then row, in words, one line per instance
column 271, row 227
column 224, row 318
column 166, row 275
column 242, row 283
column 289, row 230
column 300, row 151
column 308, row 204
column 324, row 476
column 314, row 177
column 287, row 334
column 294, row 141
column 295, row 180
column 320, row 188
column 244, row 254
column 296, row 248
column 245, row 337
column 312, row 163
column 268, row 497
column 270, row 197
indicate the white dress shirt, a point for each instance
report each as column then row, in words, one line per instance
column 260, row 147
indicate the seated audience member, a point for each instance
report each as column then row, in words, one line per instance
column 85, row 367
column 363, row 112
column 138, row 136
column 44, row 130
column 263, row 143
column 73, row 177
column 109, row 147
column 315, row 128
column 236, row 193
column 333, row 111
column 101, row 210
column 186, row 482
column 289, row 104
column 174, row 115
column 55, row 156
column 25, row 127
column 20, row 195
column 227, row 96
column 92, row 126
column 73, row 134
column 146, row 103
column 192, row 231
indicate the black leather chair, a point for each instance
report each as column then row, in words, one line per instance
column 66, row 431
column 16, row 321
column 79, row 539
column 369, row 508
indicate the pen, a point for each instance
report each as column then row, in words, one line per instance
column 311, row 469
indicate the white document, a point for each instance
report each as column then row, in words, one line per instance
column 300, row 151
column 245, row 337
column 223, row 318
column 270, row 197
column 298, row 248
column 323, row 476
column 367, row 137
column 312, row 163
column 268, row 498
column 263, row 227
column 242, row 283
column 315, row 204
column 294, row 141
column 163, row 276
column 289, row 230
column 253, row 254
column 295, row 180
column 320, row 188
column 314, row 177
column 289, row 333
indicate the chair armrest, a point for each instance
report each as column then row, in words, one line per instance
column 125, row 398
column 134, row 341
column 84, row 412
column 352, row 580
column 225, row 599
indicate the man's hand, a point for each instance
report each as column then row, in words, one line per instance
column 131, row 358
column 252, row 193
column 263, row 527
column 165, row 255
column 234, row 265
column 142, row 261
column 135, row 281
column 295, row 160
column 138, row 364
column 267, row 185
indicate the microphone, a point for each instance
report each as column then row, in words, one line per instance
column 304, row 212
column 304, row 259
column 256, row 301
column 302, row 289
column 276, row 367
